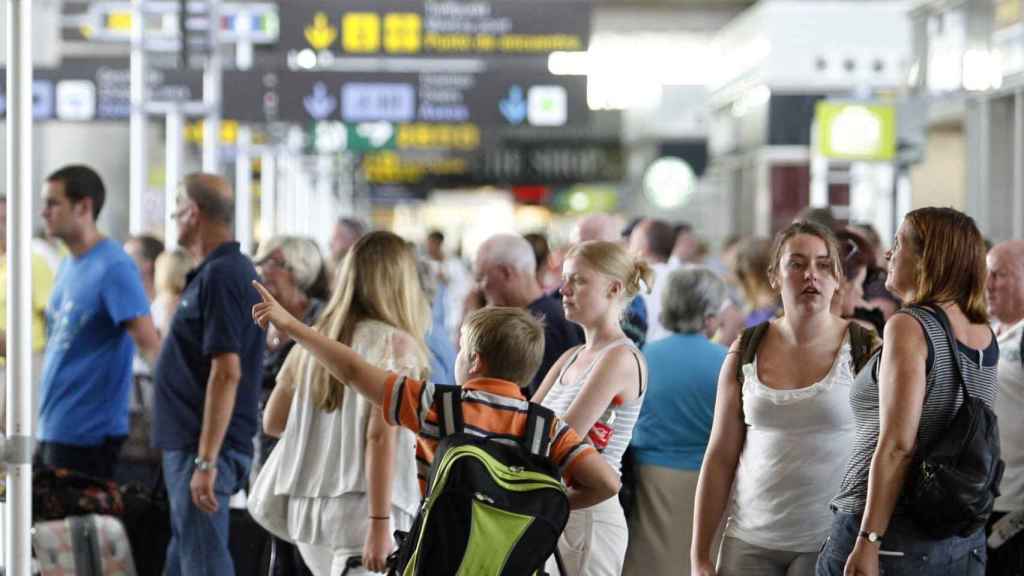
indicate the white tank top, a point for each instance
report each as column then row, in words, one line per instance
column 619, row 419
column 793, row 459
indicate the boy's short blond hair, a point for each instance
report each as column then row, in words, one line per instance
column 509, row 341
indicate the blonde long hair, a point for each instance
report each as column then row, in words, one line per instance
column 377, row 280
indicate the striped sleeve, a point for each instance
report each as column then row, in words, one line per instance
column 407, row 401
column 567, row 449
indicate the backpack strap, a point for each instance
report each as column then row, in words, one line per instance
column 863, row 343
column 750, row 339
column 448, row 405
column 537, row 438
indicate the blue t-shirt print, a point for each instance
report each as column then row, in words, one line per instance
column 86, row 375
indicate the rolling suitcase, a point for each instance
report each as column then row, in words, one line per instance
column 91, row 545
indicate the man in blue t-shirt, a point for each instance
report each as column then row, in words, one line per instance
column 97, row 308
column 207, row 382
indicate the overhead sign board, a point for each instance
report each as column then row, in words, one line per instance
column 513, row 97
column 435, row 28
column 855, row 131
column 82, row 90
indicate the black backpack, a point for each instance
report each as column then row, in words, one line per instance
column 494, row 506
column 952, row 489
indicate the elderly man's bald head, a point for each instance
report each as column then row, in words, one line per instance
column 213, row 195
column 597, row 227
column 1005, row 282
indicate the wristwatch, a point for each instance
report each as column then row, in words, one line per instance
column 873, row 537
column 204, row 465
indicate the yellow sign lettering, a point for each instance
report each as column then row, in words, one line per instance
column 448, row 42
column 360, row 32
column 402, row 33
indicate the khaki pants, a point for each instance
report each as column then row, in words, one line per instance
column 739, row 558
column 661, row 526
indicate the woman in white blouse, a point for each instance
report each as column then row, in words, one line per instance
column 350, row 477
column 779, row 443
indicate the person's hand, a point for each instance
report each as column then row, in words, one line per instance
column 202, row 490
column 271, row 312
column 863, row 561
column 377, row 546
column 705, row 568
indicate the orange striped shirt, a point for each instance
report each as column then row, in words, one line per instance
column 490, row 407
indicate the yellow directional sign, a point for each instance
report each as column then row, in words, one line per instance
column 360, row 32
column 402, row 32
column 119, row 20
column 228, row 132
column 321, row 34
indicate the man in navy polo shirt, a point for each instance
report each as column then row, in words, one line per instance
column 207, row 382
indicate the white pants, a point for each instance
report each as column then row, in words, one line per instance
column 594, row 541
column 324, row 561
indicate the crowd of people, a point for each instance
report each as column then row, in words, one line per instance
column 758, row 411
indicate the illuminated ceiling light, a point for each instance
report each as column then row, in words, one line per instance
column 668, row 182
column 579, row 201
column 752, row 99
column 569, row 63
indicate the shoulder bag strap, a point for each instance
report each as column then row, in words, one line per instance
column 940, row 315
column 448, row 405
column 750, row 339
column 537, row 438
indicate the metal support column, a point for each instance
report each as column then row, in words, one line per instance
column 268, row 194
column 18, row 445
column 1018, row 165
column 137, row 160
column 212, row 75
column 243, row 189
column 175, row 150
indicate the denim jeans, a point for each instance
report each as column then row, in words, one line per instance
column 904, row 550
column 199, row 541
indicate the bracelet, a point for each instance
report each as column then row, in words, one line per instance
column 380, row 517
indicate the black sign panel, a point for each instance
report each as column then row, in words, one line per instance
column 411, row 28
column 523, row 97
column 544, row 163
column 83, row 90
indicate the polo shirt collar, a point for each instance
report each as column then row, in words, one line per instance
column 495, row 386
column 224, row 249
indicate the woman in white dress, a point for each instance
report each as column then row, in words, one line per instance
column 351, row 478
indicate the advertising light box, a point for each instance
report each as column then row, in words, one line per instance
column 855, row 131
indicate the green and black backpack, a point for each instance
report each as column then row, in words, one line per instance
column 495, row 506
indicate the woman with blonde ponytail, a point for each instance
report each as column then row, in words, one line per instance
column 598, row 388
column 351, row 478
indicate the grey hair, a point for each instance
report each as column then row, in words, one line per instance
column 691, row 296
column 511, row 250
column 301, row 255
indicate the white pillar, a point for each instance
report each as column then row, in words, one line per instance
column 212, row 74
column 138, row 180
column 174, row 142
column 19, row 443
column 268, row 194
column 243, row 189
